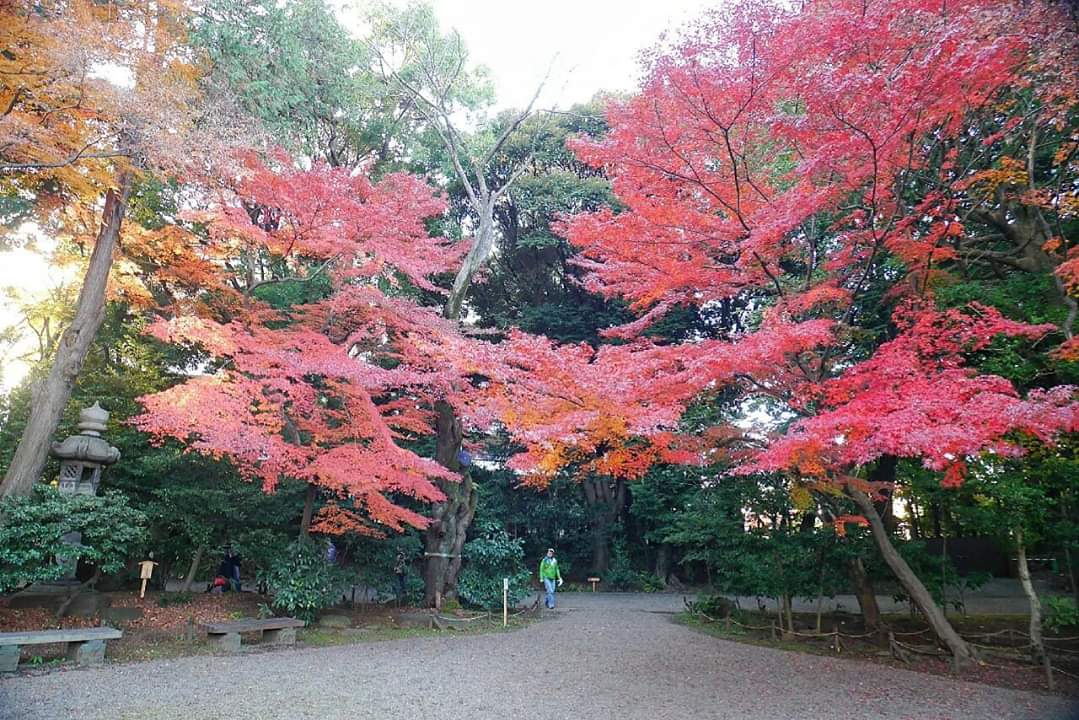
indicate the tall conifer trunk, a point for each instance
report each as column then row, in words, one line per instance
column 50, row 395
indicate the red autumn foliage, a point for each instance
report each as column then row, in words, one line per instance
column 800, row 156
column 321, row 392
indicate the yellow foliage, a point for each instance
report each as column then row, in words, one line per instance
column 801, row 498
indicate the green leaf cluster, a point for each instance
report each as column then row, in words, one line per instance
column 33, row 529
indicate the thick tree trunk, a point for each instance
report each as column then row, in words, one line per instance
column 605, row 502
column 308, row 510
column 867, row 596
column 194, row 568
column 917, row 592
column 601, row 550
column 50, row 396
column 1037, row 646
column 444, row 539
column 445, row 536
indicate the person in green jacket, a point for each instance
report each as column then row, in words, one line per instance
column 550, row 575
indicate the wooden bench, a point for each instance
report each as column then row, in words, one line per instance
column 280, row 631
column 86, row 646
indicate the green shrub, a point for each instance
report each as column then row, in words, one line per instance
column 492, row 556
column 716, row 606
column 622, row 576
column 259, row 548
column 301, row 582
column 1062, row 614
column 31, row 534
column 375, row 559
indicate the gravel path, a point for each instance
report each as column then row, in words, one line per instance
column 601, row 657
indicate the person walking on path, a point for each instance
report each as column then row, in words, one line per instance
column 551, row 576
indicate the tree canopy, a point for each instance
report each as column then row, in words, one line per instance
column 802, row 300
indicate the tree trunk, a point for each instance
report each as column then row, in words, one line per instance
column 867, row 596
column 194, row 568
column 92, row 580
column 663, row 563
column 1071, row 572
column 884, row 471
column 915, row 520
column 308, row 510
column 601, row 550
column 482, row 246
column 917, row 592
column 605, row 503
column 51, row 395
column 944, row 573
column 445, row 537
column 1037, row 646
column 820, row 590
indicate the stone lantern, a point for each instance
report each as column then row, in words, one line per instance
column 83, row 456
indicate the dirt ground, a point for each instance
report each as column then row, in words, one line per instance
column 170, row 625
column 999, row 639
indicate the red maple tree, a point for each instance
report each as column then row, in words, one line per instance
column 800, row 158
column 322, row 391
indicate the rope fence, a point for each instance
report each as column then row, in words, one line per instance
column 901, row 650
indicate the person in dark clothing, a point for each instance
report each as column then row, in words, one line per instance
column 400, row 569
column 234, row 568
column 228, row 573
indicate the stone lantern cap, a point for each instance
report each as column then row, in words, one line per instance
column 92, row 420
column 88, row 446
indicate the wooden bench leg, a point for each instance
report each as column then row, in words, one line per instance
column 226, row 641
column 9, row 658
column 282, row 636
column 86, row 652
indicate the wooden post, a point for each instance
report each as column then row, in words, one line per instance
column 728, row 619
column 505, row 601
column 835, row 641
column 773, row 626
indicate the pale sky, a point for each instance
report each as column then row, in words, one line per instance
column 597, row 42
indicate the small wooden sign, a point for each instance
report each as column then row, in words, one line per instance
column 146, row 571
column 593, row 580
